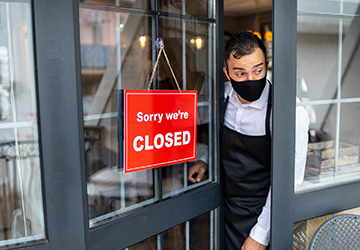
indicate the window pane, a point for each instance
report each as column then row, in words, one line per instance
column 118, row 52
column 20, row 175
column 327, row 71
column 348, row 156
column 139, row 4
column 317, row 58
column 195, row 46
column 322, row 134
column 329, row 6
column 350, row 74
column 196, row 234
column 351, row 7
column 107, row 47
column 150, row 243
column 200, row 8
column 304, row 230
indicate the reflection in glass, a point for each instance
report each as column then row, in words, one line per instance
column 317, row 57
column 328, row 6
column 322, row 134
column 195, row 234
column 351, row 7
column 350, row 59
column 348, row 156
column 196, row 76
column 119, row 43
column 150, row 244
column 118, row 52
column 195, row 8
column 136, row 4
column 327, row 74
column 20, row 180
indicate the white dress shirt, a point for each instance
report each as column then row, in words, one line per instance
column 249, row 119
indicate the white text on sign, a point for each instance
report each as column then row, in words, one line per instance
column 141, row 117
column 177, row 139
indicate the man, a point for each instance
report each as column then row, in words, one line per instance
column 246, row 144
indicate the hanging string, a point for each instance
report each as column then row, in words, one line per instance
column 160, row 44
column 153, row 72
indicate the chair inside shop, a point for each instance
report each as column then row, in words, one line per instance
column 338, row 232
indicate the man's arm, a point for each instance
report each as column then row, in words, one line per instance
column 261, row 230
column 197, row 171
column 302, row 138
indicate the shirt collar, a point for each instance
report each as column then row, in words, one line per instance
column 259, row 103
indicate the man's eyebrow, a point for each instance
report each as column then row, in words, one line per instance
column 239, row 68
column 257, row 65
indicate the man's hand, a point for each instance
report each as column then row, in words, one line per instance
column 251, row 244
column 198, row 168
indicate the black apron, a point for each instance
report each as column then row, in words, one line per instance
column 246, row 161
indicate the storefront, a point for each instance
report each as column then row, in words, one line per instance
column 62, row 64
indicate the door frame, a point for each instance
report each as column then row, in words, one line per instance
column 59, row 96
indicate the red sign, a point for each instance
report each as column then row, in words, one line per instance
column 159, row 128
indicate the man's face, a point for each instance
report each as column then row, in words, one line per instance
column 249, row 67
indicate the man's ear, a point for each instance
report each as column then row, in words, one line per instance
column 226, row 73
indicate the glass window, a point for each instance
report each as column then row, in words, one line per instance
column 136, row 4
column 21, row 203
column 329, row 6
column 118, row 52
column 319, row 5
column 201, row 8
column 304, row 230
column 327, row 86
column 197, row 233
column 317, row 57
column 195, row 47
column 114, row 43
column 351, row 7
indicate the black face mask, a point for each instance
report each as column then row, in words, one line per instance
column 249, row 90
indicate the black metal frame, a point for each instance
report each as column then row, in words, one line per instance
column 61, row 123
column 283, row 131
column 57, row 60
column 59, row 96
column 288, row 207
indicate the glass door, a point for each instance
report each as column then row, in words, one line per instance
column 59, row 116
column 118, row 51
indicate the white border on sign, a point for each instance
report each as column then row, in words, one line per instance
column 126, row 170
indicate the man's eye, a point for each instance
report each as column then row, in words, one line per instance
column 258, row 71
column 240, row 74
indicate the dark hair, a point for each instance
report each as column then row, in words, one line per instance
column 241, row 44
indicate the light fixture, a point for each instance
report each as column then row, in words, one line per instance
column 142, row 40
column 121, row 25
column 199, row 43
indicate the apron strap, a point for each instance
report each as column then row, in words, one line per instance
column 222, row 118
column 268, row 112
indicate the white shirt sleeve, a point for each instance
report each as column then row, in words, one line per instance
column 202, row 152
column 301, row 144
column 261, row 231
